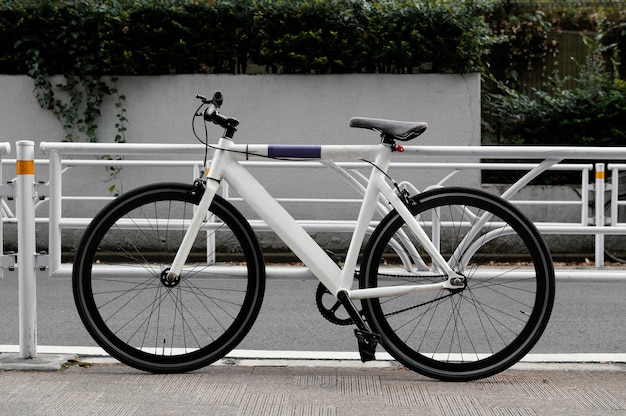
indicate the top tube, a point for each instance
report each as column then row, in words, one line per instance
column 316, row 152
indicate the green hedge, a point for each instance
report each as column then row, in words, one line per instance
column 127, row 37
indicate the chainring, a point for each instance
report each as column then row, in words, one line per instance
column 329, row 307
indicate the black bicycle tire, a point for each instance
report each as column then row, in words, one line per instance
column 206, row 354
column 481, row 367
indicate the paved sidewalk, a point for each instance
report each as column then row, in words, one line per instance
column 307, row 387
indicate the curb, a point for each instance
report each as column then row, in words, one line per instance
column 56, row 357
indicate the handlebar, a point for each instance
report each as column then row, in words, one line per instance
column 212, row 114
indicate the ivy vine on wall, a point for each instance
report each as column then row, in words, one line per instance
column 62, row 46
column 68, row 66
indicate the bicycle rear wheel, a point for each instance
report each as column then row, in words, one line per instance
column 135, row 313
column 468, row 333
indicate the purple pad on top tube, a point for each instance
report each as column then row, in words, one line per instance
column 295, row 151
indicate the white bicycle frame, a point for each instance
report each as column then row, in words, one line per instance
column 225, row 166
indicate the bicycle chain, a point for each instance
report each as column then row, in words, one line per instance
column 420, row 304
column 330, row 313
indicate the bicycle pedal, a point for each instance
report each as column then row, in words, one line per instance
column 367, row 344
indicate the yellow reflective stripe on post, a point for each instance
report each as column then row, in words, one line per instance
column 599, row 175
column 25, row 167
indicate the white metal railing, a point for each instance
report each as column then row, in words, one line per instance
column 26, row 192
column 551, row 155
column 616, row 202
column 5, row 149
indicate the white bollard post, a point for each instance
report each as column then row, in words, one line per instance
column 25, row 204
column 599, row 197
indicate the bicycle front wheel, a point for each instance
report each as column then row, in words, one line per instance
column 474, row 331
column 140, row 317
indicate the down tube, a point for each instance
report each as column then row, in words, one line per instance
column 284, row 225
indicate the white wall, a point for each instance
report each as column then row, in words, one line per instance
column 308, row 109
column 271, row 108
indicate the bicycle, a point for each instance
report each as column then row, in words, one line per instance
column 455, row 283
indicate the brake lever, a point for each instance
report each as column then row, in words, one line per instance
column 207, row 102
column 202, row 98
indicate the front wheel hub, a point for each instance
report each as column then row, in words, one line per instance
column 167, row 280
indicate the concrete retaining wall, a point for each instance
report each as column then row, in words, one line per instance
column 271, row 109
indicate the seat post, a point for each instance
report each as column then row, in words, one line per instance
column 387, row 139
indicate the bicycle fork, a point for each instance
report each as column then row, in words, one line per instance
column 175, row 270
column 210, row 190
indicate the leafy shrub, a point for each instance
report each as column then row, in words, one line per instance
column 593, row 112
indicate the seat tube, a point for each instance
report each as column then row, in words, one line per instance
column 366, row 213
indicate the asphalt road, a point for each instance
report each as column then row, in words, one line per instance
column 588, row 318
